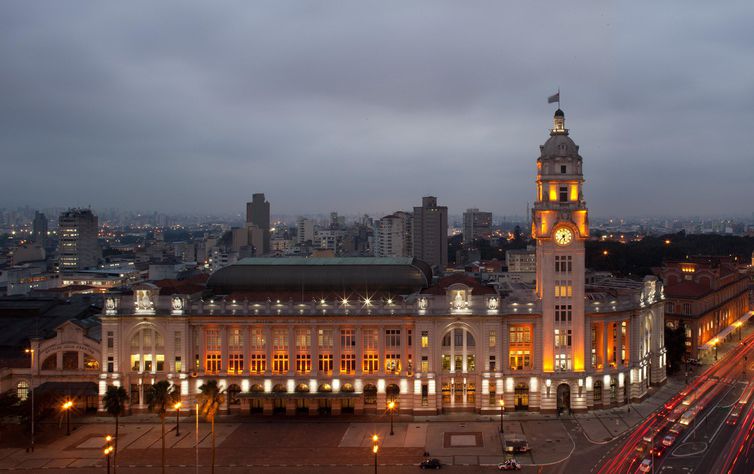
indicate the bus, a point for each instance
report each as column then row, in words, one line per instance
column 696, row 394
column 746, row 395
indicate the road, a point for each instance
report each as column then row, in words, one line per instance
column 707, row 443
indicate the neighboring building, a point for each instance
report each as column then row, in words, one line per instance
column 393, row 235
column 476, row 226
column 709, row 295
column 305, row 230
column 258, row 214
column 332, row 335
column 78, row 247
column 39, row 229
column 430, row 233
column 522, row 265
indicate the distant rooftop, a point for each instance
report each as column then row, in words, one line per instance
column 315, row 261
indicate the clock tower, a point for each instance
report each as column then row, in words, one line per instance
column 560, row 227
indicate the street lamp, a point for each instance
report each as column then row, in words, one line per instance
column 31, row 385
column 375, row 450
column 177, row 407
column 391, row 410
column 502, row 412
column 738, row 325
column 67, row 408
column 714, row 344
column 108, row 450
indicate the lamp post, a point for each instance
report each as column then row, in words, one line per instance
column 108, row 450
column 31, row 386
column 177, row 407
column 391, row 409
column 738, row 325
column 67, row 408
column 715, row 346
column 375, row 450
column 502, row 412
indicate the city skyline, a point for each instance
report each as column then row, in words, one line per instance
column 321, row 109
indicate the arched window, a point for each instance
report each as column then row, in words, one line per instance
column 233, row 391
column 392, row 392
column 370, row 394
column 147, row 351
column 50, row 363
column 458, row 347
column 22, row 390
column 70, row 360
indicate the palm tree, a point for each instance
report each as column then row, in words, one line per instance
column 160, row 396
column 114, row 401
column 210, row 400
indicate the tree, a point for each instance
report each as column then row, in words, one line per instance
column 159, row 397
column 210, row 400
column 114, row 401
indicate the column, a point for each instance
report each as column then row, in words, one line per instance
column 619, row 344
column 314, row 351
column 336, row 350
column 605, row 330
column 359, row 349
column 268, row 350
column 291, row 351
column 224, row 349
column 202, row 349
column 381, row 345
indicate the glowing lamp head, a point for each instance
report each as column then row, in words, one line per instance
column 375, row 438
column 177, row 405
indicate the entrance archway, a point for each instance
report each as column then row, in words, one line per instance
column 564, row 398
column 392, row 392
column 521, row 396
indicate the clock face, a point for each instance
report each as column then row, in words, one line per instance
column 563, row 236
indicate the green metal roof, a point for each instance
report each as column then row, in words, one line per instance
column 317, row 261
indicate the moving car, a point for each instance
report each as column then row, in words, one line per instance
column 430, row 464
column 668, row 440
column 509, row 465
column 646, row 465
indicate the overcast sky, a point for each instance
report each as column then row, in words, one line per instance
column 363, row 107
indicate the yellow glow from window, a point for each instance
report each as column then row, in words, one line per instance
column 574, row 193
column 553, row 192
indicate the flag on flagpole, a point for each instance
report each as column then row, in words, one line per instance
column 554, row 98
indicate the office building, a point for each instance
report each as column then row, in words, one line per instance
column 430, row 233
column 393, row 235
column 476, row 226
column 258, row 214
column 78, row 247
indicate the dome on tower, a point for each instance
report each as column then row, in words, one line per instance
column 559, row 113
column 559, row 145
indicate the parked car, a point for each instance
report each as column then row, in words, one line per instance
column 430, row 464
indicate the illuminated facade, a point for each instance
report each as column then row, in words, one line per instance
column 333, row 335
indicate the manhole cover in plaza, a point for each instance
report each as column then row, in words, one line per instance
column 462, row 440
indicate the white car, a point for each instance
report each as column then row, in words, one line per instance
column 646, row 465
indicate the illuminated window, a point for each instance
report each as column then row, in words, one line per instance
column 347, row 339
column 325, row 363
column 371, row 363
column 235, row 363
column 257, row 363
column 425, row 364
column 22, row 390
column 303, row 363
column 280, row 363
column 425, row 339
column 347, row 363
column 392, row 363
column 492, row 338
column 213, row 363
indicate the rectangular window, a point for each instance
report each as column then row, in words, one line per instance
column 347, row 339
column 520, row 335
column 257, row 363
column 409, row 337
column 257, row 339
column 492, row 363
column 563, row 313
column 425, row 339
column 562, row 362
column 347, row 363
column 371, row 340
column 492, row 336
column 563, row 263
column 519, row 360
column 110, row 339
column 110, row 365
column 563, row 338
column 563, row 169
column 280, row 363
column 563, row 194
column 371, row 363
column 303, row 363
column 392, row 338
column 178, row 364
column 213, row 340
column 280, row 339
column 235, row 341
column 213, row 363
column 392, row 363
column 563, row 289
column 303, row 339
column 235, row 363
column 425, row 364
column 324, row 339
column 325, row 364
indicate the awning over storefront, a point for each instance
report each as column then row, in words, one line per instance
column 336, row 395
column 71, row 389
column 722, row 334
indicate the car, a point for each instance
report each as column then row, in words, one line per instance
column 677, row 429
column 668, row 440
column 652, row 434
column 641, row 448
column 509, row 465
column 646, row 465
column 658, row 449
column 430, row 463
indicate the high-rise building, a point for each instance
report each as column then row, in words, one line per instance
column 305, row 230
column 476, row 225
column 39, row 229
column 258, row 213
column 393, row 235
column 78, row 247
column 430, row 233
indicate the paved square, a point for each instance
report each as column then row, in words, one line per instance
column 462, row 440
